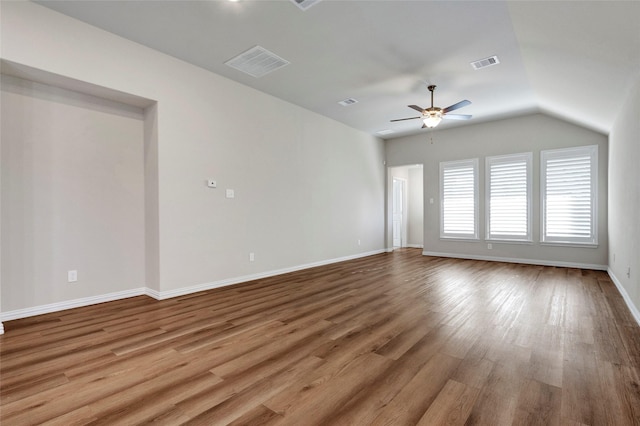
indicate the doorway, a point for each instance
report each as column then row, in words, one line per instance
column 405, row 207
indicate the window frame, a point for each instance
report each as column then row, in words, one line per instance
column 474, row 164
column 552, row 154
column 527, row 157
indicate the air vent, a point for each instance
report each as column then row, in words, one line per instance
column 305, row 4
column 348, row 101
column 486, row 62
column 257, row 62
column 385, row 132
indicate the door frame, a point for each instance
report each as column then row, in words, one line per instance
column 403, row 212
column 389, row 204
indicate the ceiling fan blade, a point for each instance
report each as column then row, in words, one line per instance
column 456, row 116
column 416, row 107
column 402, row 119
column 456, row 106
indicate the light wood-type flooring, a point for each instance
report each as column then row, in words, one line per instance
column 390, row 339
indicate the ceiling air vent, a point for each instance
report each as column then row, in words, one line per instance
column 257, row 62
column 486, row 62
column 348, row 101
column 305, row 4
column 385, row 132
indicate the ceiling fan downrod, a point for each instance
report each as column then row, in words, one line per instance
column 431, row 89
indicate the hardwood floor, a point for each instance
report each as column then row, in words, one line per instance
column 391, row 339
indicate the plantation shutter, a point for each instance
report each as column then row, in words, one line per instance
column 569, row 195
column 509, row 197
column 459, row 199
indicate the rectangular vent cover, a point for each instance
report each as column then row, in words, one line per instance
column 257, row 62
column 385, row 132
column 347, row 102
column 305, row 4
column 486, row 62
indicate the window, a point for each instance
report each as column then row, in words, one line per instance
column 459, row 199
column 508, row 183
column 569, row 195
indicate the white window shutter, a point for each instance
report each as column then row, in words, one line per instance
column 459, row 199
column 509, row 197
column 569, row 190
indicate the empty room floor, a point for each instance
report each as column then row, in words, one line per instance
column 394, row 339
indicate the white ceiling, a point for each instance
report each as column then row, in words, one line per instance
column 573, row 59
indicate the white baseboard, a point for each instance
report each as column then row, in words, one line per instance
column 415, row 246
column 69, row 304
column 627, row 299
column 160, row 295
column 516, row 260
column 242, row 279
column 152, row 293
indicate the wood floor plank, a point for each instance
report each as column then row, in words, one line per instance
column 258, row 416
column 410, row 404
column 246, row 400
column 323, row 396
column 452, row 405
column 395, row 339
column 538, row 404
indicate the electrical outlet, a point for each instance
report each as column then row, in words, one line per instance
column 230, row 193
column 252, row 257
column 72, row 276
column 490, row 246
column 359, row 242
column 212, row 183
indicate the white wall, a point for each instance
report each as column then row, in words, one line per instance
column 624, row 199
column 306, row 188
column 72, row 195
column 531, row 133
column 415, row 231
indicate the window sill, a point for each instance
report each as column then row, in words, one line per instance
column 568, row 244
column 461, row 239
column 498, row 241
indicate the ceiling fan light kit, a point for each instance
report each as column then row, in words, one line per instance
column 433, row 119
column 432, row 116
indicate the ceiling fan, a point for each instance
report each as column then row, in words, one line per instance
column 432, row 116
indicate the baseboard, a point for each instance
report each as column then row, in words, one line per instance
column 69, row 304
column 160, row 295
column 516, row 260
column 415, row 246
column 152, row 293
column 245, row 278
column 627, row 299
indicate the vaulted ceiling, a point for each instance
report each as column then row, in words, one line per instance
column 571, row 59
